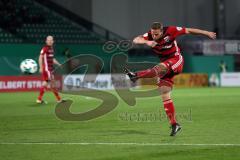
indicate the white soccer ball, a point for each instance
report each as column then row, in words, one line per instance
column 29, row 66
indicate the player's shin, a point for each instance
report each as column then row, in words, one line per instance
column 157, row 70
column 56, row 94
column 41, row 92
column 149, row 73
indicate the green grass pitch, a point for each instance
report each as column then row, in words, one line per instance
column 210, row 118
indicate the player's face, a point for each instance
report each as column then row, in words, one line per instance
column 49, row 41
column 156, row 34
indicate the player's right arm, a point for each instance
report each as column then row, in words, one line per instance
column 139, row 40
column 142, row 39
column 40, row 61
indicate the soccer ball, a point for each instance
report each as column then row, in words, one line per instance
column 29, row 66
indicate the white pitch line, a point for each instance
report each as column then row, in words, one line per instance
column 116, row 144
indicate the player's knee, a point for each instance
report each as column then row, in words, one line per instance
column 161, row 69
column 165, row 92
column 45, row 83
column 166, row 96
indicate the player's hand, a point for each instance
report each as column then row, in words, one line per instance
column 151, row 43
column 40, row 70
column 212, row 35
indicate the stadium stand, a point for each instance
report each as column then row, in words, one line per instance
column 6, row 37
column 31, row 21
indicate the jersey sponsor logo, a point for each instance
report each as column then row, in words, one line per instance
column 179, row 28
column 166, row 39
column 167, row 46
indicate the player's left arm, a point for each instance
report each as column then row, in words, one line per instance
column 56, row 62
column 195, row 31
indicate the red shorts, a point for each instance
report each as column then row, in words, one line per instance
column 175, row 66
column 47, row 75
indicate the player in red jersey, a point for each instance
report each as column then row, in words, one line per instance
column 46, row 62
column 162, row 40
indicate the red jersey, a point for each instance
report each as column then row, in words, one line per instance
column 47, row 53
column 167, row 46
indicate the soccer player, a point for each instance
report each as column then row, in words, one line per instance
column 162, row 40
column 46, row 62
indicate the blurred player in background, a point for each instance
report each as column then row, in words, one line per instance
column 163, row 42
column 46, row 62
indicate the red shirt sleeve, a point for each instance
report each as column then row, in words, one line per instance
column 177, row 31
column 43, row 51
column 145, row 36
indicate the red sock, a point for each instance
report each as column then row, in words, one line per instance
column 170, row 111
column 41, row 93
column 149, row 73
column 55, row 92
